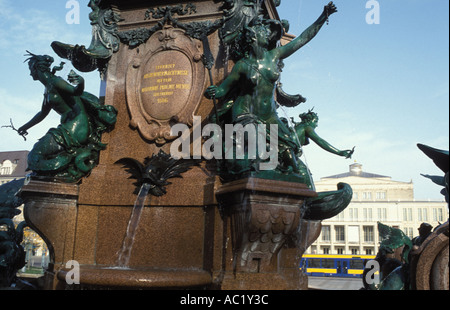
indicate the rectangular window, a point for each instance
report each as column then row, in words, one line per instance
column 314, row 263
column 425, row 215
column 419, row 214
column 327, row 263
column 381, row 195
column 326, row 236
column 367, row 195
column 368, row 234
column 6, row 170
column 353, row 214
column 356, row 264
column 326, row 250
column 411, row 233
column 340, row 233
column 382, row 214
column 440, row 215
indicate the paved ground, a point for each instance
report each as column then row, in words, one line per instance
column 342, row 284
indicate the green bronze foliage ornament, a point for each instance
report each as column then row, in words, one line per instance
column 105, row 40
column 441, row 160
column 328, row 204
column 70, row 151
column 156, row 171
column 166, row 15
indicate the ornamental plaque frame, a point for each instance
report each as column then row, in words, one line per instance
column 165, row 82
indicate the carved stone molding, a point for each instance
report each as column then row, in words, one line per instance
column 262, row 220
column 164, row 83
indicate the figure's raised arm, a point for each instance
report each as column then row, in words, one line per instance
column 39, row 117
column 327, row 146
column 76, row 80
column 290, row 48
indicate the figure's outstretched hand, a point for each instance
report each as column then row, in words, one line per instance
column 211, row 92
column 347, row 153
column 330, row 8
column 23, row 132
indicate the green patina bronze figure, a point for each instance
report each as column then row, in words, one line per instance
column 12, row 254
column 247, row 94
column 395, row 275
column 70, row 151
column 305, row 131
column 252, row 93
column 327, row 204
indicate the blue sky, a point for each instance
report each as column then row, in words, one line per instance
column 382, row 88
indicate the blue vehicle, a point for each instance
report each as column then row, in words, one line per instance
column 321, row 265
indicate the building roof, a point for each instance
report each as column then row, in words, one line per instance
column 356, row 171
column 19, row 159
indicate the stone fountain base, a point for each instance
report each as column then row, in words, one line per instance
column 268, row 236
column 253, row 240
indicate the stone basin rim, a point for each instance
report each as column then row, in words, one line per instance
column 113, row 276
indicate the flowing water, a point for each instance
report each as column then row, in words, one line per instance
column 124, row 254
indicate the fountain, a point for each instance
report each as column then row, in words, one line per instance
column 222, row 223
column 127, row 246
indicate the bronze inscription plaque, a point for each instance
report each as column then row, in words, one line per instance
column 165, row 83
column 166, row 78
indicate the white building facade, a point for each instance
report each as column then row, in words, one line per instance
column 376, row 198
column 12, row 165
